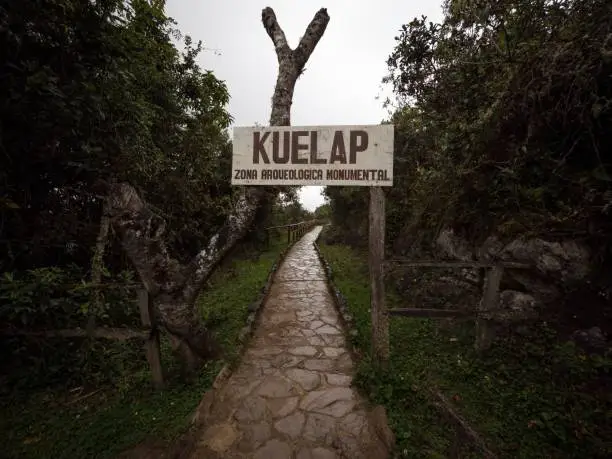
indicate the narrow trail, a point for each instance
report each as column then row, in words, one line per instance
column 290, row 398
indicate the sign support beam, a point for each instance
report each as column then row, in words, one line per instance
column 380, row 319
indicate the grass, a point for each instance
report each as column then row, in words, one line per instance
column 57, row 425
column 531, row 396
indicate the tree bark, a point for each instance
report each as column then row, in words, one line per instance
column 174, row 287
column 97, row 266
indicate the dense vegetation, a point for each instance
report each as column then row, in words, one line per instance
column 501, row 116
column 97, row 92
column 530, row 397
column 96, row 418
column 502, row 112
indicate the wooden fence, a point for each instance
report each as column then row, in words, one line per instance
column 294, row 230
column 483, row 314
column 149, row 332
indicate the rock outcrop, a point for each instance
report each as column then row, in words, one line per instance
column 555, row 266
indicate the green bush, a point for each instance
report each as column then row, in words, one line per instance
column 55, row 297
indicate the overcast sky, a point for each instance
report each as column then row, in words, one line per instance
column 341, row 84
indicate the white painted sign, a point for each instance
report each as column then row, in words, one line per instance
column 313, row 155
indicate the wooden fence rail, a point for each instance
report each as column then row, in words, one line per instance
column 294, row 230
column 118, row 333
column 455, row 264
column 482, row 314
column 149, row 333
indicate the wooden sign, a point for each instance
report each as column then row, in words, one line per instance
column 313, row 155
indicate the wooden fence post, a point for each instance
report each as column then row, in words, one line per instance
column 152, row 344
column 485, row 332
column 380, row 320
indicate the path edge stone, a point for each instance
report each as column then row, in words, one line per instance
column 377, row 416
column 339, row 300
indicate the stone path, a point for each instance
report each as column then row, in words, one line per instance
column 290, row 398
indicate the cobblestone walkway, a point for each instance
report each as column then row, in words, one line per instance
column 290, row 398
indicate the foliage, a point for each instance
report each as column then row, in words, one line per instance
column 50, row 298
column 125, row 410
column 323, row 211
column 113, row 99
column 287, row 211
column 509, row 92
column 533, row 395
column 279, row 209
column 103, row 425
column 349, row 207
column 501, row 121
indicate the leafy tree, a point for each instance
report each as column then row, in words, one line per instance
column 323, row 211
column 501, row 120
column 175, row 285
column 112, row 99
column 96, row 93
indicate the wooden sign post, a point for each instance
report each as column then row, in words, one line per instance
column 327, row 156
column 378, row 310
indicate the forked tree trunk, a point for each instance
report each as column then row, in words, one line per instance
column 174, row 287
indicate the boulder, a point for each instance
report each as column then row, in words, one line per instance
column 592, row 339
column 490, row 249
column 454, row 246
column 567, row 261
column 516, row 307
column 545, row 290
column 556, row 265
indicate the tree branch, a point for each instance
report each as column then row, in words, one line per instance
column 290, row 63
column 141, row 232
column 309, row 41
column 268, row 17
column 238, row 222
